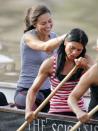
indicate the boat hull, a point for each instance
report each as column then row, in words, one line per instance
column 11, row 119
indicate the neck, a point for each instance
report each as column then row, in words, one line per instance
column 43, row 37
column 67, row 67
column 69, row 61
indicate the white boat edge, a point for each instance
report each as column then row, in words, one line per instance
column 9, row 90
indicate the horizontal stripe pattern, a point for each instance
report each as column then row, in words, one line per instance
column 58, row 102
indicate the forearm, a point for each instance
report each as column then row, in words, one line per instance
column 81, row 115
column 30, row 100
column 73, row 103
column 52, row 44
column 48, row 45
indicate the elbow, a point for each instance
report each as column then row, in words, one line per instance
column 69, row 100
column 73, row 99
column 47, row 49
column 31, row 92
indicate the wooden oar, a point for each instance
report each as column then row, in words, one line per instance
column 76, row 126
column 23, row 126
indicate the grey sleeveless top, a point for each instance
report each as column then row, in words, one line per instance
column 30, row 64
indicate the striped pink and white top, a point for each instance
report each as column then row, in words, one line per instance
column 58, row 102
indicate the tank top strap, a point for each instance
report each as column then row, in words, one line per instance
column 54, row 63
column 54, row 66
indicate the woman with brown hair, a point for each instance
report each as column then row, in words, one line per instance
column 37, row 44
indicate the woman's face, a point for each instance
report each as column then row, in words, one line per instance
column 44, row 24
column 73, row 49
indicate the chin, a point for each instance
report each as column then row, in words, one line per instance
column 71, row 58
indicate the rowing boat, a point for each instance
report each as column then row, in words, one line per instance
column 12, row 118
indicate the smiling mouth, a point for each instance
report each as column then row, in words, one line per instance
column 48, row 30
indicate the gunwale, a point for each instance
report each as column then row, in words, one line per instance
column 44, row 115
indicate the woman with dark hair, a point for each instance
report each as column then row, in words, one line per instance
column 71, row 51
column 37, row 44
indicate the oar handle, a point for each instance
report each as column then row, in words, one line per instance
column 78, row 124
column 23, row 126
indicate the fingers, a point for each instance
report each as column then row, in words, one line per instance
column 30, row 116
column 81, row 62
column 83, row 117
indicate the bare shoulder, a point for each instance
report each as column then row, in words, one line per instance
column 94, row 68
column 95, row 73
column 88, row 56
column 92, row 74
column 29, row 35
column 48, row 61
column 91, row 61
column 32, row 40
column 47, row 65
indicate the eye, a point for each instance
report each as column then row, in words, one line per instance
column 73, row 48
column 43, row 23
column 50, row 21
column 80, row 50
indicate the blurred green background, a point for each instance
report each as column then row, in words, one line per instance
column 67, row 14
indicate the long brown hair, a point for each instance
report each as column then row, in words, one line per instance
column 32, row 16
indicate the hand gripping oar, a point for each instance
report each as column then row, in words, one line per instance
column 23, row 126
column 76, row 126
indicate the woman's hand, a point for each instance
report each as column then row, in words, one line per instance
column 29, row 116
column 83, row 116
column 81, row 62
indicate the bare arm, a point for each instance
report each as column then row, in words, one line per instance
column 91, row 61
column 33, row 42
column 89, row 78
column 31, row 95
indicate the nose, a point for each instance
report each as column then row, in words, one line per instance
column 74, row 52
